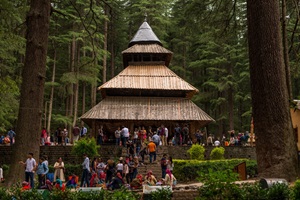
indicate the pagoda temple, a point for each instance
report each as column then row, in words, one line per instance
column 146, row 93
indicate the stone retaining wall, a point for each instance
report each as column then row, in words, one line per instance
column 54, row 152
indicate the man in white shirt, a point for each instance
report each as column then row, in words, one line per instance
column 166, row 136
column 217, row 143
column 30, row 166
column 125, row 135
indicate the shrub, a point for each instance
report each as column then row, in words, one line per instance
column 86, row 146
column 187, row 170
column 219, row 185
column 162, row 193
column 278, row 191
column 4, row 195
column 5, row 170
column 122, row 194
column 217, row 153
column 196, row 152
column 296, row 190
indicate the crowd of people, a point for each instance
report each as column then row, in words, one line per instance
column 96, row 173
column 230, row 139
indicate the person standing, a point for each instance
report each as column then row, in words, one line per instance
column 156, row 139
column 11, row 134
column 86, row 170
column 43, row 136
column 30, row 165
column 177, row 131
column 83, row 131
column 163, row 164
column 162, row 135
column 166, row 136
column 152, row 150
column 185, row 134
column 76, row 133
column 125, row 134
column 120, row 166
column 170, row 164
column 100, row 135
column 59, row 168
column 41, row 171
column 118, row 136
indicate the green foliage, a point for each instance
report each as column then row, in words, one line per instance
column 121, row 194
column 30, row 195
column 226, row 176
column 224, row 188
column 86, row 146
column 219, row 184
column 4, row 194
column 187, row 170
column 196, row 152
column 217, row 153
column 5, row 169
column 162, row 193
column 296, row 190
column 279, row 191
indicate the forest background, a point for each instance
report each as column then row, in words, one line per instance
column 208, row 39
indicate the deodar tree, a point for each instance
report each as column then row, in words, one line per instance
column 32, row 89
column 275, row 144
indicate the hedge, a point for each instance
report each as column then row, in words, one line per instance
column 187, row 170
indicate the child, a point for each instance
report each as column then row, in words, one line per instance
column 72, row 183
column 25, row 186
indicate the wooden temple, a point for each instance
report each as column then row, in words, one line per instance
column 146, row 93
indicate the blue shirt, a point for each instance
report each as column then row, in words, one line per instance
column 11, row 134
column 42, row 169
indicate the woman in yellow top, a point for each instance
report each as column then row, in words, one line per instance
column 150, row 178
column 169, row 178
column 59, row 170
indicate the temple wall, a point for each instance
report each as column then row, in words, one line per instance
column 106, row 152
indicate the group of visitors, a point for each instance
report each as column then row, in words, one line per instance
column 240, row 139
column 97, row 173
column 9, row 138
column 232, row 139
column 113, row 175
column 140, row 135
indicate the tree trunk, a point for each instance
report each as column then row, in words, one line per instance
column 105, row 44
column 94, row 86
column 275, row 145
column 32, row 89
column 52, row 93
column 76, row 87
column 83, row 100
column 286, row 51
column 230, row 101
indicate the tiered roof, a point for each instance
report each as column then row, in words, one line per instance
column 147, row 89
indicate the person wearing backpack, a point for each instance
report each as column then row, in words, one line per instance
column 41, row 171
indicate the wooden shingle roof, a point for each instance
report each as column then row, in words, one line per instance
column 149, row 77
column 147, row 108
column 147, row 48
column 144, row 35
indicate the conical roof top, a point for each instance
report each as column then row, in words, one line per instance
column 144, row 35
